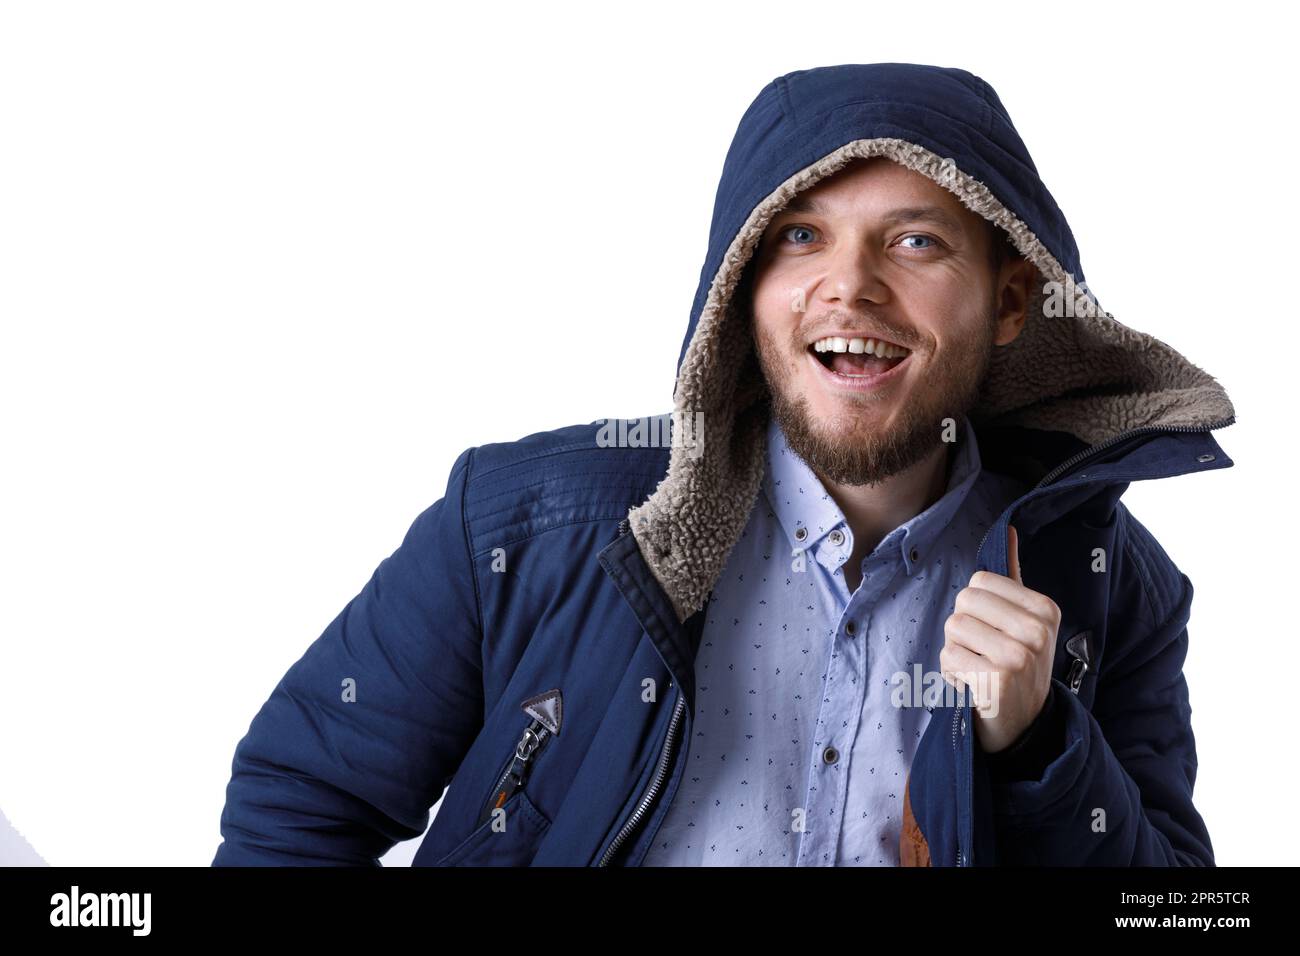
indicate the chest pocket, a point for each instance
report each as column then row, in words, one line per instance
column 510, row 826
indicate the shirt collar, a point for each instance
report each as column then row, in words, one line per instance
column 808, row 513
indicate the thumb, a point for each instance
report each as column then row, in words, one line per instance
column 1013, row 554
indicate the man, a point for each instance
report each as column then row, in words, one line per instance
column 874, row 253
column 897, row 406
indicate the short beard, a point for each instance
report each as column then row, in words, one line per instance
column 843, row 449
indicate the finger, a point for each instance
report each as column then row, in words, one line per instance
column 1011, row 587
column 962, row 668
column 1013, row 554
column 997, row 648
column 1000, row 614
column 1005, row 587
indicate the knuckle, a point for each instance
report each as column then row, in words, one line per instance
column 1049, row 609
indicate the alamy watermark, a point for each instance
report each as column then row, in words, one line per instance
column 1068, row 299
column 670, row 430
column 922, row 688
column 76, row 908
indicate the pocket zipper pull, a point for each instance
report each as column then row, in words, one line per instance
column 516, row 769
column 1077, row 646
column 546, row 711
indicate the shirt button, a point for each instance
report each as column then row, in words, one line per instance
column 850, row 628
column 830, row 755
column 837, row 537
column 915, row 554
column 800, row 533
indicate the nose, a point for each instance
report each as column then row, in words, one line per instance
column 854, row 276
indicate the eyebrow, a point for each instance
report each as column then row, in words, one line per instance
column 932, row 214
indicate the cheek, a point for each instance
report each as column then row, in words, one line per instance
column 778, row 308
column 950, row 317
column 960, row 329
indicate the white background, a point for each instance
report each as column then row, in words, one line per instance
column 267, row 268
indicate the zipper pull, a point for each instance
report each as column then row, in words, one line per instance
column 516, row 770
column 547, row 713
column 1077, row 647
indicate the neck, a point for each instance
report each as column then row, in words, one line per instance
column 874, row 510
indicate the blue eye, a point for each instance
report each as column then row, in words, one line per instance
column 918, row 236
column 789, row 229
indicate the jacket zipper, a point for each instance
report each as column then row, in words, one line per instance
column 956, row 715
column 660, row 774
column 1047, row 479
column 661, row 768
column 515, row 772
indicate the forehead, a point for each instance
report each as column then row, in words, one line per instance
column 880, row 187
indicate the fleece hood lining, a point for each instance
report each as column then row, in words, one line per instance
column 1085, row 374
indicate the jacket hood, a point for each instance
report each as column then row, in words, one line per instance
column 1083, row 376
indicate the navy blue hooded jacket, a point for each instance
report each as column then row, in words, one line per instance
column 529, row 647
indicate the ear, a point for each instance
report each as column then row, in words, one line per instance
column 1012, row 294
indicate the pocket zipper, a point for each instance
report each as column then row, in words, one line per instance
column 546, row 711
column 515, row 772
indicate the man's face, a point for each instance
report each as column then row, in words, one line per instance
column 877, row 250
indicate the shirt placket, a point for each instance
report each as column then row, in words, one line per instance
column 842, row 699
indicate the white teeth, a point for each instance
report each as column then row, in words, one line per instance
column 835, row 343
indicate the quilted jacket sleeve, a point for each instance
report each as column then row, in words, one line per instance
column 324, row 780
column 1120, row 792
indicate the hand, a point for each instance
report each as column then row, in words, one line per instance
column 1000, row 641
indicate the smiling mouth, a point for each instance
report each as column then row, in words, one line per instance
column 857, row 358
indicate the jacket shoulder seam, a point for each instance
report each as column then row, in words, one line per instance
column 534, row 456
column 546, row 529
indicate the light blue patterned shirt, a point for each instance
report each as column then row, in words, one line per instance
column 799, row 750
